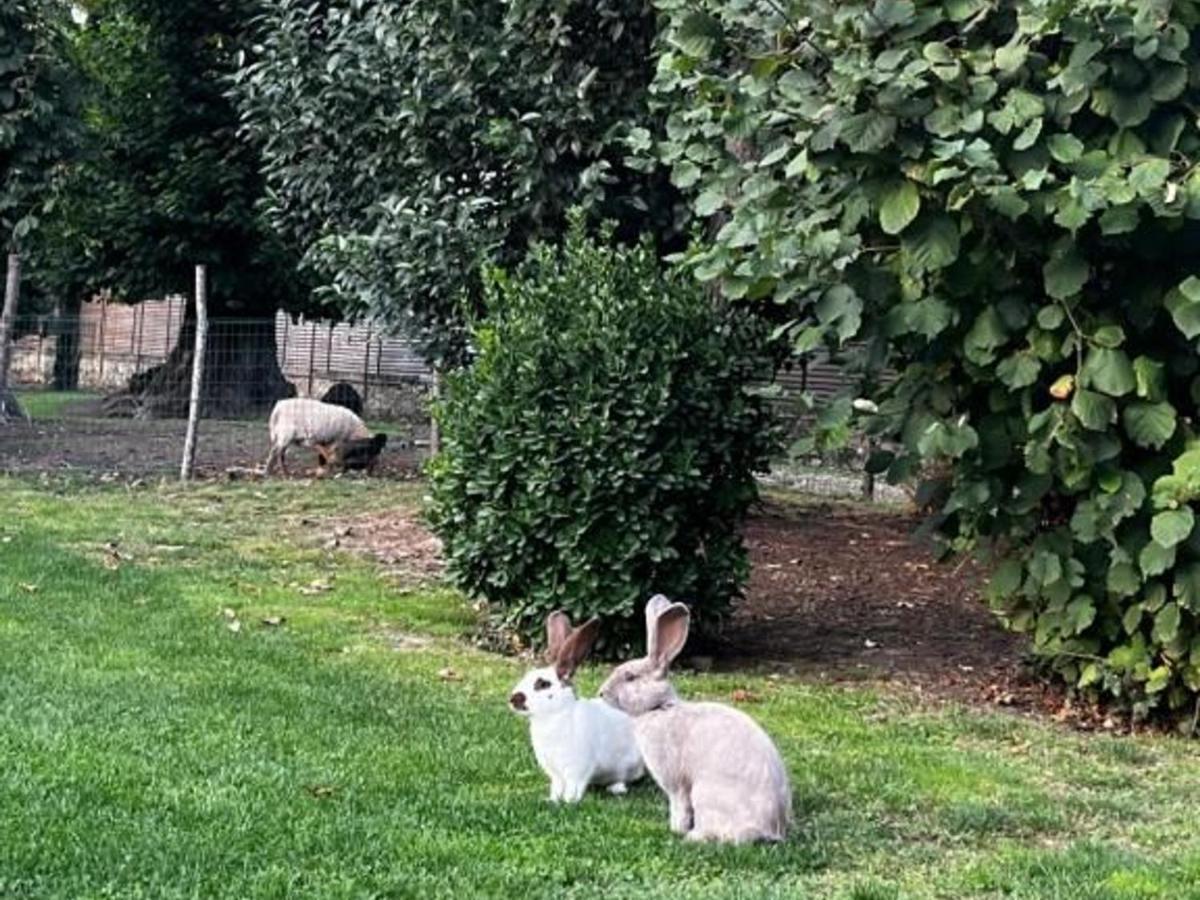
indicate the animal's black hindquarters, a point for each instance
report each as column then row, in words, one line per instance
column 359, row 453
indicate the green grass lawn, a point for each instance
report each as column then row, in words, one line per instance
column 50, row 404
column 148, row 749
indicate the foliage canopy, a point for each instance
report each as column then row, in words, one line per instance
column 406, row 143
column 1002, row 200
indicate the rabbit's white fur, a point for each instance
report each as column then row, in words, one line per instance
column 309, row 423
column 723, row 777
column 578, row 743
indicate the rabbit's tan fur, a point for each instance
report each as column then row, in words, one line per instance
column 723, row 776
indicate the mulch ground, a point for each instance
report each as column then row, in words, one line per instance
column 838, row 593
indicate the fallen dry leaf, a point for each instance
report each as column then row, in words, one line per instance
column 870, row 644
column 316, row 587
column 27, row 587
column 744, row 696
column 448, row 674
column 235, row 626
column 321, row 791
column 229, row 613
column 273, row 621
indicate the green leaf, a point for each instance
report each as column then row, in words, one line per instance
column 1007, row 202
column 1050, row 317
column 1187, row 586
column 1148, row 178
column 708, row 202
column 1065, row 275
column 1132, row 618
column 933, row 243
column 928, row 317
column 1172, row 526
column 1094, row 411
column 1166, row 624
column 1123, row 580
column 1110, row 336
column 986, row 334
column 685, row 174
column 1119, row 219
column 1065, row 148
column 893, row 13
column 1108, row 371
column 698, row 34
column 1156, row 559
column 1011, row 57
column 1019, row 371
column 1151, row 382
column 1006, row 580
column 1029, row 134
column 1149, row 424
column 867, row 132
column 1168, row 83
column 1184, row 306
column 1080, row 614
column 899, row 206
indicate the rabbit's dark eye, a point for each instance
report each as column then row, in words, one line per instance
column 541, row 684
column 629, row 676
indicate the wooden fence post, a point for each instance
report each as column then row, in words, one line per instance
column 103, row 338
column 189, row 444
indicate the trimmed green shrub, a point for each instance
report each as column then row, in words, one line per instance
column 602, row 444
column 1003, row 200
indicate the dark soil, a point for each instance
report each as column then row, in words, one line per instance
column 838, row 593
column 84, row 442
column 837, row 588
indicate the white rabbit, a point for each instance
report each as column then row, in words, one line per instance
column 577, row 742
column 723, row 777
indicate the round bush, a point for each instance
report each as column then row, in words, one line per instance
column 602, row 444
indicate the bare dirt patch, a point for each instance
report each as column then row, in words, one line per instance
column 83, row 442
column 399, row 542
column 837, row 593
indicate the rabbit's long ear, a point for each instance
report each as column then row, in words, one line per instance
column 575, row 648
column 558, row 629
column 670, row 634
column 655, row 607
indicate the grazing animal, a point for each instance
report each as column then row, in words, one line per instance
column 357, row 453
column 321, row 426
column 723, row 776
column 577, row 742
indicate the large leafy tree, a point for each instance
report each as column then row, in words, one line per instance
column 1003, row 197
column 404, row 143
column 35, row 111
column 166, row 182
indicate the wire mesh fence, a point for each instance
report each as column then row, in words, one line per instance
column 107, row 390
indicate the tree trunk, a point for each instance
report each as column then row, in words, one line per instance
column 9, row 408
column 242, row 377
column 66, row 342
